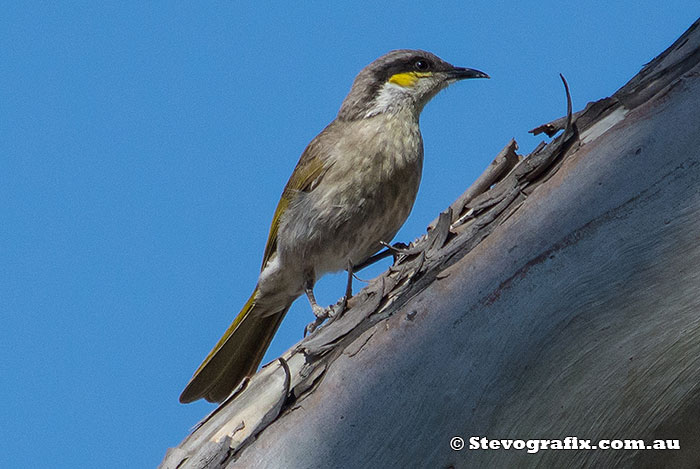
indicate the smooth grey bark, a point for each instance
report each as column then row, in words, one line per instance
column 560, row 299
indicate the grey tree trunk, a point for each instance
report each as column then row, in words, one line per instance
column 560, row 297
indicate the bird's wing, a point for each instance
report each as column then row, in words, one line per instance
column 306, row 176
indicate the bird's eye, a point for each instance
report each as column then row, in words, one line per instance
column 422, row 65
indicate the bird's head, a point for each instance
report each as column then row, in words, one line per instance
column 398, row 81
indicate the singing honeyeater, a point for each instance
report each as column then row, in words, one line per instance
column 351, row 191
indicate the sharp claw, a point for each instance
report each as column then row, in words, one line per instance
column 330, row 313
column 321, row 315
column 338, row 308
column 311, row 327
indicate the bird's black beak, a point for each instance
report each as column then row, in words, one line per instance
column 461, row 73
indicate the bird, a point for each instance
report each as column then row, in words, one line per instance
column 351, row 190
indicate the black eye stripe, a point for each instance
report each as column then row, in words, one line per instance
column 405, row 65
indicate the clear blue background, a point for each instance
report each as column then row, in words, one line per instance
column 143, row 148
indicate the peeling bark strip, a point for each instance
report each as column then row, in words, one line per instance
column 558, row 296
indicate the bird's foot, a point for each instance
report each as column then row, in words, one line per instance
column 331, row 313
column 339, row 308
column 312, row 326
column 397, row 250
column 320, row 312
column 321, row 315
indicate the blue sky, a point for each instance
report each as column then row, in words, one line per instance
column 144, row 146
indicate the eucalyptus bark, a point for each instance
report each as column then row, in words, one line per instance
column 559, row 297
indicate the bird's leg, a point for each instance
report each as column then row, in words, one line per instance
column 343, row 302
column 395, row 250
column 348, row 287
column 319, row 312
column 331, row 312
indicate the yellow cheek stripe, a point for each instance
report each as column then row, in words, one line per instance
column 408, row 79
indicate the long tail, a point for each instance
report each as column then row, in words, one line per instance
column 237, row 354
